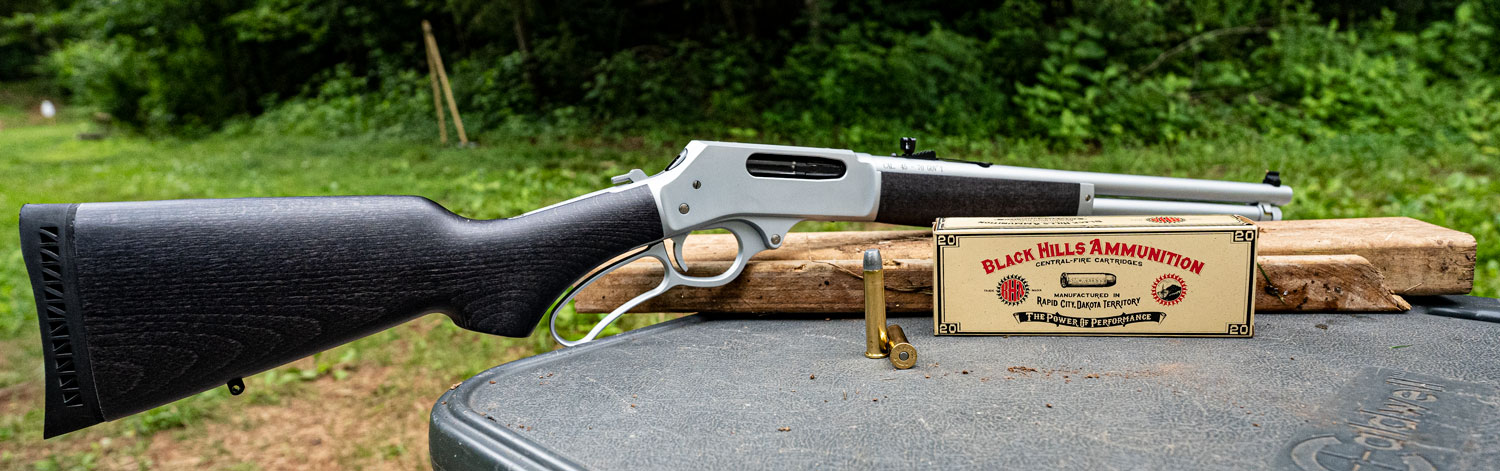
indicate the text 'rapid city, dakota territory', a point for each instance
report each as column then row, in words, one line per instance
column 1093, row 247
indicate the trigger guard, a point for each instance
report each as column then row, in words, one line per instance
column 750, row 243
column 681, row 263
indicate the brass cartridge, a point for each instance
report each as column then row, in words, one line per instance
column 882, row 341
column 875, row 337
column 903, row 354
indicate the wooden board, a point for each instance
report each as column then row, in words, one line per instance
column 1321, row 283
column 1300, row 283
column 1415, row 257
column 820, row 272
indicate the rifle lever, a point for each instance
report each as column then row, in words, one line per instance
column 674, row 274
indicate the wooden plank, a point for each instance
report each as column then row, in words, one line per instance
column 1415, row 257
column 1410, row 256
column 768, row 286
column 1320, row 283
column 817, row 246
column 1302, row 283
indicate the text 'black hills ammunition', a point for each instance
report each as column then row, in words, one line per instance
column 1188, row 276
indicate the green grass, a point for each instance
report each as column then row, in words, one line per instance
column 1451, row 185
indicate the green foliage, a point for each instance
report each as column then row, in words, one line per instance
column 336, row 363
column 490, row 91
column 1075, row 75
column 1325, row 82
column 346, row 105
column 637, row 83
column 68, row 462
column 28, row 29
column 101, row 73
column 169, row 416
column 874, row 78
column 187, row 66
column 151, row 63
column 1459, row 47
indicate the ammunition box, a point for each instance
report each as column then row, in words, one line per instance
column 1183, row 276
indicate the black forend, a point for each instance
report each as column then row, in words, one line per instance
column 917, row 199
column 159, row 300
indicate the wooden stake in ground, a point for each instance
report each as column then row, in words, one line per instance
column 437, row 92
column 435, row 61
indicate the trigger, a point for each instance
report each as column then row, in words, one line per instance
column 677, row 261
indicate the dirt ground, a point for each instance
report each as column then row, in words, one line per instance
column 328, row 425
column 335, row 425
column 374, row 418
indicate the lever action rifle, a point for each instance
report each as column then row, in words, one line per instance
column 144, row 303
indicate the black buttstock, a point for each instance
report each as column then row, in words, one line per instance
column 144, row 303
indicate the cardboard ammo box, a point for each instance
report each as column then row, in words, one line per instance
column 1184, row 276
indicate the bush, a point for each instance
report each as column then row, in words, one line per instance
column 346, row 105
column 490, row 92
column 174, row 66
column 934, row 82
column 1072, row 74
column 100, row 73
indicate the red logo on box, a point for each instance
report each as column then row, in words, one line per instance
column 1169, row 289
column 1011, row 290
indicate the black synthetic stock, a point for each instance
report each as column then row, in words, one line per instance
column 918, row 199
column 177, row 297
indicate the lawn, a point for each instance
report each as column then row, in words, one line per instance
column 365, row 405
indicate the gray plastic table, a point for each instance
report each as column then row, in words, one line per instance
column 1310, row 391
